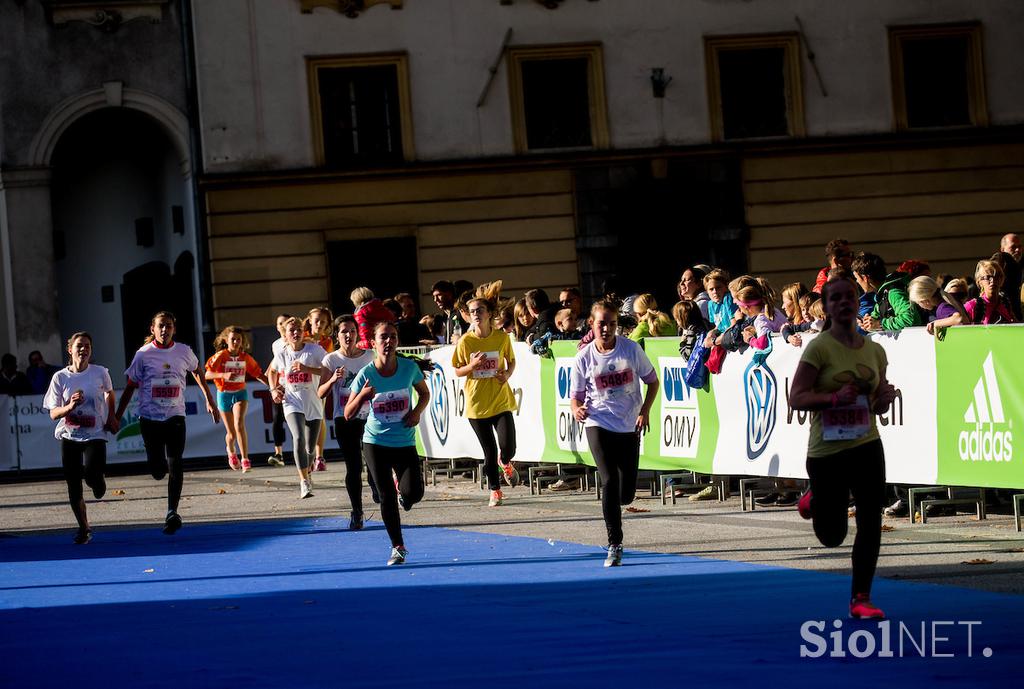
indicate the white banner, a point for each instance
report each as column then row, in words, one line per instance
column 8, row 453
column 444, row 430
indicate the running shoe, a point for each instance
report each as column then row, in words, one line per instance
column 804, row 505
column 560, row 485
column 233, row 463
column 172, row 523
column 246, row 465
column 897, row 509
column 275, row 460
column 355, row 521
column 398, row 554
column 708, row 493
column 305, row 489
column 496, row 498
column 510, row 474
column 614, row 558
column 319, row 464
column 861, row 608
column 83, row 536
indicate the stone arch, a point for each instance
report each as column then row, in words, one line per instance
column 113, row 94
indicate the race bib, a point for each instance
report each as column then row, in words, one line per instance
column 298, row 378
column 80, row 421
column 391, row 407
column 166, row 395
column 344, row 393
column 235, row 371
column 488, row 367
column 846, row 423
column 613, row 383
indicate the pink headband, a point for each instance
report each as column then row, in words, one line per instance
column 750, row 304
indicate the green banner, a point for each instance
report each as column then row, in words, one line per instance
column 980, row 390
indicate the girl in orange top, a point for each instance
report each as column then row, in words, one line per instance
column 319, row 324
column 228, row 369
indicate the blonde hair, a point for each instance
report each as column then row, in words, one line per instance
column 986, row 267
column 325, row 329
column 562, row 315
column 360, row 295
column 716, row 275
column 489, row 293
column 816, row 309
column 739, row 283
column 794, row 291
column 955, row 284
column 646, row 309
column 221, row 341
column 682, row 311
column 924, row 287
column 759, row 290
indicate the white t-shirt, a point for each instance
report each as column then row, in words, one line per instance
column 300, row 396
column 610, row 383
column 342, row 389
column 84, row 422
column 160, row 374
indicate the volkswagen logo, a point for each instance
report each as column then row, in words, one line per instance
column 439, row 406
column 760, row 389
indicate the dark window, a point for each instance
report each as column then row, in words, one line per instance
column 753, row 87
column 556, row 100
column 387, row 266
column 360, row 115
column 935, row 79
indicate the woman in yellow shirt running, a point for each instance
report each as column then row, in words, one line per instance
column 484, row 357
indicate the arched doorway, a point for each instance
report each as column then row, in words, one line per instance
column 121, row 217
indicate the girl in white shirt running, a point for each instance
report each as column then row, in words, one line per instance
column 159, row 371
column 81, row 399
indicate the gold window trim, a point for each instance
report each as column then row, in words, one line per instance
column 793, row 75
column 977, row 102
column 401, row 63
column 599, row 137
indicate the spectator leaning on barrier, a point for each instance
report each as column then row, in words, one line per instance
column 957, row 287
column 940, row 308
column 989, row 308
column 39, row 373
column 12, row 381
column 1011, row 281
column 543, row 311
column 369, row 312
column 650, row 321
column 838, row 253
column 523, row 320
column 566, row 326
column 690, row 326
column 893, row 308
column 691, row 286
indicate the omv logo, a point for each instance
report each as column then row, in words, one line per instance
column 563, row 383
column 674, row 384
column 439, row 405
column 760, row 390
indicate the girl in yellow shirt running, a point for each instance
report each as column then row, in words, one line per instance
column 484, row 357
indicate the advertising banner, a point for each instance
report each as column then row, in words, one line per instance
column 8, row 451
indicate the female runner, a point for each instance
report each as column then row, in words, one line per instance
column 606, row 399
column 81, row 399
column 319, row 324
column 340, row 369
column 841, row 380
column 228, row 369
column 277, row 428
column 293, row 377
column 484, row 357
column 389, row 438
column 159, row 371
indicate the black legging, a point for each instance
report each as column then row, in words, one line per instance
column 349, row 435
column 504, row 425
column 84, row 460
column 617, row 456
column 861, row 471
column 277, row 428
column 381, row 460
column 165, row 445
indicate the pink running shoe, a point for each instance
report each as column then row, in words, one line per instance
column 234, row 463
column 246, row 465
column 804, row 506
column 862, row 609
column 319, row 464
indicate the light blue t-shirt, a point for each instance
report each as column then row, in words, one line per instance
column 392, row 402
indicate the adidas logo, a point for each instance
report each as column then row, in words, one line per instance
column 986, row 442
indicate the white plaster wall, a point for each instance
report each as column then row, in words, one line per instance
column 254, row 100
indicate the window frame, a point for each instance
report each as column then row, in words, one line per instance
column 598, row 106
column 977, row 100
column 401, row 64
column 792, row 74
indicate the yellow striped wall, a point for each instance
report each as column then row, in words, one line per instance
column 267, row 239
column 948, row 206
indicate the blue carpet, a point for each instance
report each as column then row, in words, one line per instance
column 305, row 603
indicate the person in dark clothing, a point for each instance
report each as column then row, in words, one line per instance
column 12, row 381
column 39, row 373
column 541, row 308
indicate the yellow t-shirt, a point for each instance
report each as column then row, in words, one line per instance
column 837, row 365
column 485, row 396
